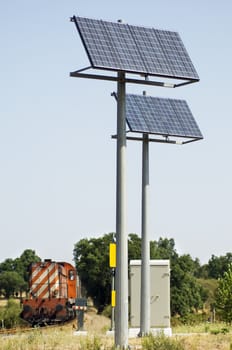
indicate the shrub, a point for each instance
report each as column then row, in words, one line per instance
column 194, row 319
column 161, row 342
column 215, row 331
column 10, row 314
column 223, row 330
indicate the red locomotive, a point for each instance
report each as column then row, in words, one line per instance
column 52, row 294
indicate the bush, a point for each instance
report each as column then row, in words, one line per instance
column 9, row 314
column 161, row 342
column 215, row 331
column 191, row 319
column 223, row 330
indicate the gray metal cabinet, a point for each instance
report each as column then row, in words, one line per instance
column 159, row 292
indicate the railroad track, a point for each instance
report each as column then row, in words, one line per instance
column 13, row 331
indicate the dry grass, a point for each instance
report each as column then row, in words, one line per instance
column 3, row 302
column 94, row 323
column 207, row 342
column 63, row 338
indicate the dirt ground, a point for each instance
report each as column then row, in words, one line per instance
column 95, row 323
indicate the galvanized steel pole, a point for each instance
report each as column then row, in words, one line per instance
column 121, row 278
column 145, row 265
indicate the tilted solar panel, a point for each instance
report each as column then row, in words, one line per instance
column 141, row 50
column 161, row 116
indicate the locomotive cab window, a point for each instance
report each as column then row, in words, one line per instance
column 71, row 275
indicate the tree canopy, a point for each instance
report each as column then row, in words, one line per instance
column 10, row 283
column 224, row 296
column 14, row 273
column 92, row 262
column 217, row 266
column 191, row 283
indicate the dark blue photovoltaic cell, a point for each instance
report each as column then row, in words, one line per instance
column 123, row 47
column 161, row 116
column 176, row 54
column 151, row 50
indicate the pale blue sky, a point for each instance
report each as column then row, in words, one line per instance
column 57, row 159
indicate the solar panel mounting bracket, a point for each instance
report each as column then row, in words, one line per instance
column 78, row 74
column 166, row 140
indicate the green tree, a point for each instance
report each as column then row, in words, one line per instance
column 92, row 263
column 24, row 261
column 202, row 271
column 11, row 282
column 223, row 296
column 217, row 266
column 20, row 267
column 7, row 265
column 187, row 295
column 164, row 248
column 134, row 246
column 209, row 286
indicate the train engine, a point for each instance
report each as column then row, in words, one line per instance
column 52, row 293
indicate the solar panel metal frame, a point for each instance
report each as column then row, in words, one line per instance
column 164, row 117
column 132, row 49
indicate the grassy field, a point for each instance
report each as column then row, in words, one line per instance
column 63, row 339
column 201, row 337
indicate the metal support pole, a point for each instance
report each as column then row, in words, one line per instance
column 121, row 310
column 145, row 265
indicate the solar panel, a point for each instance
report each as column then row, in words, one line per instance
column 133, row 49
column 161, row 116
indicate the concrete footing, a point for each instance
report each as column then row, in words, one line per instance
column 80, row 333
column 134, row 332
